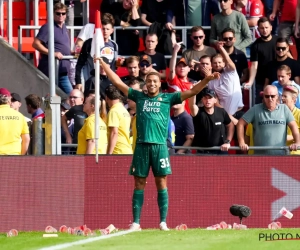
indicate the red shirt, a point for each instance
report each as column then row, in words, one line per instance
column 253, row 9
column 177, row 85
column 288, row 11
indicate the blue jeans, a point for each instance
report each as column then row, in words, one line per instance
column 65, row 84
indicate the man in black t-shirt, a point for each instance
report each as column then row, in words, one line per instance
column 262, row 51
column 213, row 126
column 158, row 59
column 282, row 58
column 76, row 113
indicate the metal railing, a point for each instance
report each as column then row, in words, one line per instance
column 285, row 148
column 36, row 27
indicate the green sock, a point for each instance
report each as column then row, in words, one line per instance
column 163, row 202
column 137, row 203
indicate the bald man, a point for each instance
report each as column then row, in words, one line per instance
column 270, row 121
column 76, row 114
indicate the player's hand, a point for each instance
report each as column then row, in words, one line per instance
column 294, row 146
column 169, row 26
column 225, row 147
column 58, row 55
column 213, row 76
column 244, row 147
column 272, row 16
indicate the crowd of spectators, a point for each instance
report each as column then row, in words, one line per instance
column 261, row 30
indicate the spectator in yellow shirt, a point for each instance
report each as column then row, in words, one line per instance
column 289, row 97
column 86, row 135
column 118, row 123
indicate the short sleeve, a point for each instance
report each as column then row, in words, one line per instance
column 253, row 53
column 256, row 9
column 288, row 114
column 90, row 130
column 249, row 115
column 25, row 129
column 43, row 34
column 227, row 119
column 70, row 114
column 113, row 119
column 189, row 129
column 134, row 94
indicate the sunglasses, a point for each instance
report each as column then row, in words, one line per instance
column 225, row 1
column 226, row 39
column 280, row 48
column 74, row 97
column 60, row 13
column 198, row 37
column 142, row 65
column 268, row 96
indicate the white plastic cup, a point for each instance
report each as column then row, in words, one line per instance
column 286, row 213
column 214, row 227
column 239, row 226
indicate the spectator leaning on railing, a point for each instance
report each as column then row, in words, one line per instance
column 62, row 46
column 269, row 120
column 14, row 132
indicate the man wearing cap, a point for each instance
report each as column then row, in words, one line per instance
column 14, row 132
column 178, row 77
column 213, row 126
column 270, row 121
column 145, row 66
column 289, row 97
column 284, row 79
column 16, row 103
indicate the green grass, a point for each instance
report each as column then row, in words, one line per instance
column 190, row 239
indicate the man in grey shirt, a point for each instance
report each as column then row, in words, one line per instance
column 270, row 121
column 229, row 18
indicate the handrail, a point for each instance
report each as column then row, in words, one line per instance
column 286, row 148
column 36, row 27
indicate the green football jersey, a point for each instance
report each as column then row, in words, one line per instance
column 152, row 115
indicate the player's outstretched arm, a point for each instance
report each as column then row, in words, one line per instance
column 113, row 77
column 199, row 86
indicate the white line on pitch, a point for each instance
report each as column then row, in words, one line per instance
column 89, row 240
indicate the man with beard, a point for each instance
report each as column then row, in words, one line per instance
column 282, row 58
column 262, row 51
column 228, row 87
column 237, row 56
column 270, row 121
